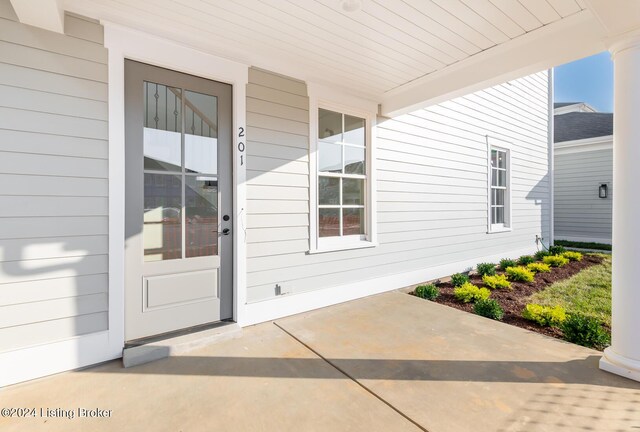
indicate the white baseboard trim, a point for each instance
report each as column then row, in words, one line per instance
column 584, row 239
column 48, row 359
column 286, row 305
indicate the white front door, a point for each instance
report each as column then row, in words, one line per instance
column 178, row 201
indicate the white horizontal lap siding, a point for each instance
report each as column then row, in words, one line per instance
column 431, row 192
column 53, row 182
column 579, row 213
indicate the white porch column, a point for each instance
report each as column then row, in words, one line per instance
column 623, row 356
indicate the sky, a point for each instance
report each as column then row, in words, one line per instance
column 587, row 80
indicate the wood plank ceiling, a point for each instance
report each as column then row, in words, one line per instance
column 379, row 47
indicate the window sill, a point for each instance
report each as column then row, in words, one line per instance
column 499, row 230
column 343, row 247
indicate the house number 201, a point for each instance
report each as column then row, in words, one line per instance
column 241, row 145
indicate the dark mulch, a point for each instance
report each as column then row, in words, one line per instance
column 514, row 300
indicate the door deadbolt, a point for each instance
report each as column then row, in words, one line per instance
column 225, row 218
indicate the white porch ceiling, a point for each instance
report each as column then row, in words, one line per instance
column 388, row 51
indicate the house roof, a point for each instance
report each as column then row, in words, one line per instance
column 564, row 104
column 580, row 125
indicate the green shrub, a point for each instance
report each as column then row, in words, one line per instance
column 539, row 267
column 541, row 254
column 505, row 263
column 459, row 279
column 556, row 250
column 488, row 308
column 486, row 269
column 520, row 274
column 583, row 245
column 429, row 292
column 572, row 256
column 526, row 259
column 585, row 331
column 544, row 315
column 555, row 260
column 471, row 293
column 496, row 281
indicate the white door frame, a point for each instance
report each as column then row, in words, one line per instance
column 123, row 42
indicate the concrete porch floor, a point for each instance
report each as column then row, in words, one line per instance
column 390, row 362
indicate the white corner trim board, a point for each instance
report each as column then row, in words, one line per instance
column 283, row 306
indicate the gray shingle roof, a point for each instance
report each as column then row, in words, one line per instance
column 581, row 125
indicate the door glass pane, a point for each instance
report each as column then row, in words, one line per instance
column 201, row 133
column 201, row 206
column 353, row 130
column 353, row 221
column 329, row 191
column 352, row 191
column 162, row 127
column 329, row 222
column 353, row 160
column 162, row 230
column 330, row 157
column 329, row 125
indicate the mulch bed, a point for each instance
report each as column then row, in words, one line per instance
column 514, row 300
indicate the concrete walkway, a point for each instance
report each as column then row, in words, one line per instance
column 391, row 362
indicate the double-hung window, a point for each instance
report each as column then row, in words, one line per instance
column 342, row 179
column 499, row 193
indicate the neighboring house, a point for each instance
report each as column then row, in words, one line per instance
column 165, row 165
column 583, row 173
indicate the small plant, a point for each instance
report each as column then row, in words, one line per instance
column 459, row 279
column 525, row 260
column 471, row 293
column 488, row 308
column 505, row 263
column 520, row 274
column 544, row 315
column 486, row 269
column 585, row 331
column 555, row 260
column 572, row 256
column 496, row 281
column 556, row 250
column 541, row 254
column 429, row 292
column 538, row 267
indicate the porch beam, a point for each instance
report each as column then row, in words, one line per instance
column 46, row 14
column 623, row 356
column 571, row 38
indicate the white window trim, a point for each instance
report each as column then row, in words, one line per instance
column 494, row 143
column 327, row 98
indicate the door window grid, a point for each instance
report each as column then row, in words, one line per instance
column 341, row 185
column 186, row 234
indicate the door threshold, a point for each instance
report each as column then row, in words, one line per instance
column 146, row 350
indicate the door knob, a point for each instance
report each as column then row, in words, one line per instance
column 226, row 231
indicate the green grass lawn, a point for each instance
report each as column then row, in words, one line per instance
column 588, row 292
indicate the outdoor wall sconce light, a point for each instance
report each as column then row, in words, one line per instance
column 602, row 190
